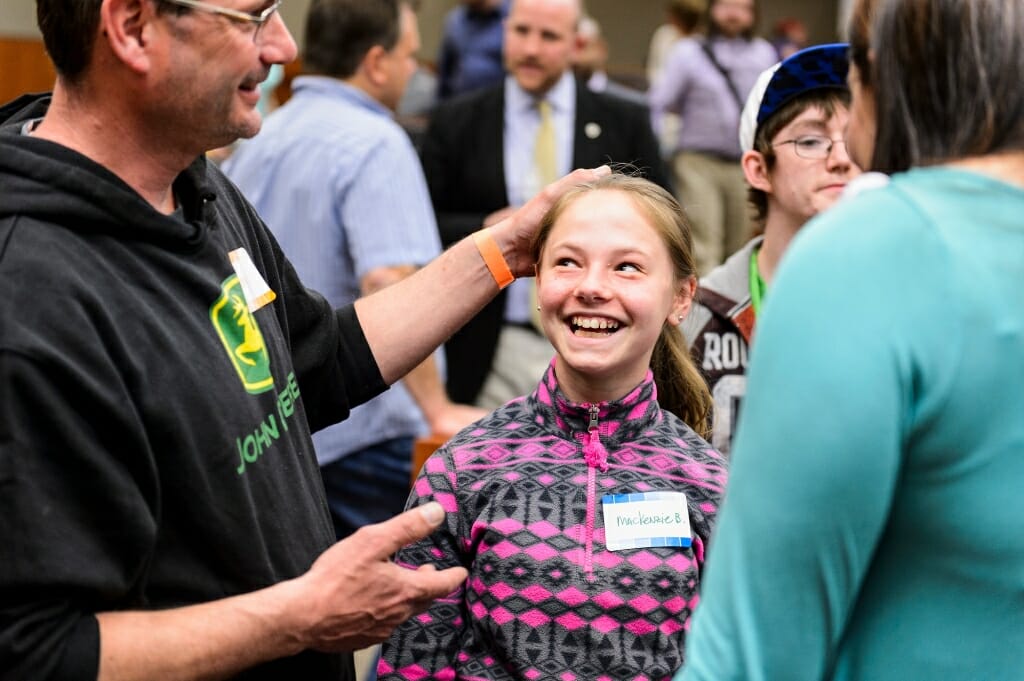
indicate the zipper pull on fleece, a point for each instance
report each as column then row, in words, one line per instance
column 594, row 452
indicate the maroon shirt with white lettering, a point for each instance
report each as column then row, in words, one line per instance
column 719, row 330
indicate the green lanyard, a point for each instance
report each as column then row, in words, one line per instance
column 757, row 286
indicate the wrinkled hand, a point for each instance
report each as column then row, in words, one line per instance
column 453, row 417
column 521, row 225
column 354, row 596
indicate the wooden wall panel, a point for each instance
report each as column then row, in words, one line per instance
column 24, row 67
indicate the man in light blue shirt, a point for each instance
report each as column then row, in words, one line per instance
column 339, row 184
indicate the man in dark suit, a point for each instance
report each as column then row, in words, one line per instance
column 480, row 156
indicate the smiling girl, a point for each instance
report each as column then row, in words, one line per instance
column 583, row 510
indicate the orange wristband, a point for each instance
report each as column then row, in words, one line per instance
column 493, row 258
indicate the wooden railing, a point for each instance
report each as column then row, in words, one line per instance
column 422, row 448
column 24, row 67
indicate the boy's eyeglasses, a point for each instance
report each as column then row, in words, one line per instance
column 813, row 147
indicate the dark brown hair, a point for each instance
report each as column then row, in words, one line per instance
column 339, row 33
column 945, row 75
column 859, row 37
column 69, row 29
column 686, row 14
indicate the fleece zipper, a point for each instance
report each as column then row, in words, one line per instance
column 596, row 457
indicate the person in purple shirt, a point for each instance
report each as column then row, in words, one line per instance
column 705, row 82
column 471, row 56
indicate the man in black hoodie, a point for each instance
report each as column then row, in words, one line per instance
column 161, row 367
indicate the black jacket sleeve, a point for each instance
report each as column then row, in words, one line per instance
column 73, row 513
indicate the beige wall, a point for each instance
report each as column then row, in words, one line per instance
column 18, row 18
column 628, row 24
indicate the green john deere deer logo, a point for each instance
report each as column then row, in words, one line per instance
column 241, row 337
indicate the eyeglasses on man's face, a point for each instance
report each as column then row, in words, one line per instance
column 255, row 22
column 813, row 147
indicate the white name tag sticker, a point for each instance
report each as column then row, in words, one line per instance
column 645, row 519
column 254, row 287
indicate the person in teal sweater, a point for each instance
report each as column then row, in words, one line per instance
column 873, row 527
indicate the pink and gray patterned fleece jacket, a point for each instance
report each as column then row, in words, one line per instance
column 545, row 598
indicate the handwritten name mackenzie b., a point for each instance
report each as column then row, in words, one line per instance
column 641, row 519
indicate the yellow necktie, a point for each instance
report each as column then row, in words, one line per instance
column 544, row 146
column 547, row 172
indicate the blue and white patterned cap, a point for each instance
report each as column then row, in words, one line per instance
column 813, row 68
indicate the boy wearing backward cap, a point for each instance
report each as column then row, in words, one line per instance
column 792, row 132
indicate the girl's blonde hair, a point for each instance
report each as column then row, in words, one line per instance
column 681, row 387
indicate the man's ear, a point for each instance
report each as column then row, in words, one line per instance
column 126, row 27
column 372, row 65
column 755, row 168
